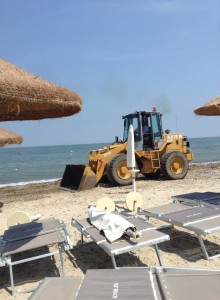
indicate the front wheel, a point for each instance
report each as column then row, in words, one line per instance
column 117, row 171
column 174, row 165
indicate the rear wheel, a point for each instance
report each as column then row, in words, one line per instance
column 117, row 171
column 174, row 165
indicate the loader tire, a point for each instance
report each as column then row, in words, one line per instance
column 117, row 171
column 174, row 165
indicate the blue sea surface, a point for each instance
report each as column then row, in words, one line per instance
column 22, row 165
column 206, row 150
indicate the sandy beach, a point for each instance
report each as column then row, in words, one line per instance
column 49, row 200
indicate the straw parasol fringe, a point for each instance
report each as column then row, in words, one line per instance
column 24, row 96
column 8, row 137
column 212, row 108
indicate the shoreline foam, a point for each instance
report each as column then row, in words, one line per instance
column 28, row 182
column 14, row 184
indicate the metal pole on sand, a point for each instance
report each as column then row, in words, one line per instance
column 133, row 199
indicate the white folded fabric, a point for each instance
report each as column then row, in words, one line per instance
column 113, row 225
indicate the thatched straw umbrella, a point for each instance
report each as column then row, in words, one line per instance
column 8, row 137
column 24, row 96
column 211, row 108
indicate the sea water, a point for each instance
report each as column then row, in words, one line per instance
column 22, row 165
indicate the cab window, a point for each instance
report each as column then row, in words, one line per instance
column 156, row 126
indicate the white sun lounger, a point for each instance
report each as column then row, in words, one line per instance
column 29, row 236
column 150, row 236
column 201, row 220
column 207, row 198
column 154, row 283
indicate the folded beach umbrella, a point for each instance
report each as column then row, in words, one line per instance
column 8, row 137
column 212, row 108
column 24, row 96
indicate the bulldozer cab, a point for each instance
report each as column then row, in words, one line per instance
column 147, row 129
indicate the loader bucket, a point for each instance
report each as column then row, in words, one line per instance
column 78, row 177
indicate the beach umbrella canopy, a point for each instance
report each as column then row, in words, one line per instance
column 8, row 137
column 212, row 108
column 24, row 96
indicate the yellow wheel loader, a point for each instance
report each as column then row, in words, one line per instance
column 156, row 154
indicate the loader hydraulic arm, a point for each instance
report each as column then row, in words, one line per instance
column 99, row 160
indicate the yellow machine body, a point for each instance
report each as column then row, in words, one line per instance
column 168, row 155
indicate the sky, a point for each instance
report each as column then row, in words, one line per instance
column 120, row 56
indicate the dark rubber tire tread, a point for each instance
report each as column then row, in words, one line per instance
column 166, row 165
column 111, row 171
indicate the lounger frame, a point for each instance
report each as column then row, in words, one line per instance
column 198, row 198
column 175, row 213
column 57, row 235
column 122, row 245
column 153, row 283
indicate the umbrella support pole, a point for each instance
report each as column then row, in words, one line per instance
column 133, row 182
column 133, row 175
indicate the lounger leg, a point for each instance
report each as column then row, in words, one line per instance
column 113, row 261
column 204, row 249
column 158, row 254
column 68, row 244
column 11, row 278
column 61, row 259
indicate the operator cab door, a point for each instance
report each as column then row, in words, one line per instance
column 135, row 120
column 156, row 130
column 142, row 141
column 137, row 132
column 152, row 139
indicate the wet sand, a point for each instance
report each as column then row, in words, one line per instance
column 48, row 199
